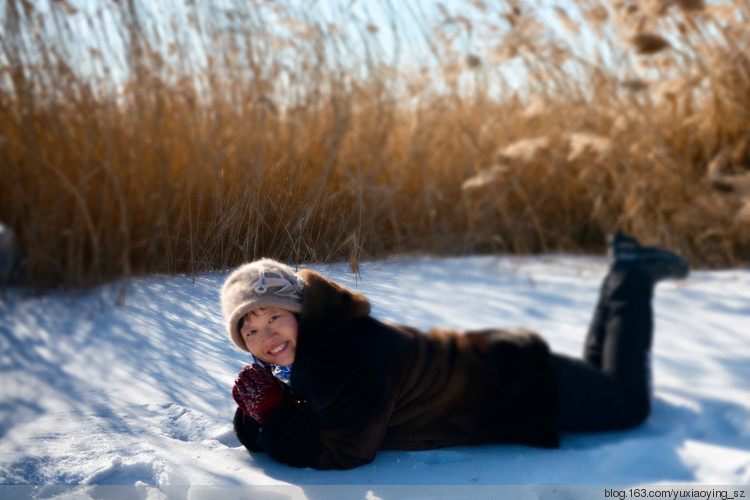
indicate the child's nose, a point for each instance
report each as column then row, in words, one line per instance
column 269, row 331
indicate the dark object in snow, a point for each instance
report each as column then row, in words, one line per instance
column 11, row 259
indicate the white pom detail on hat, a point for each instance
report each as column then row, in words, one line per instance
column 288, row 289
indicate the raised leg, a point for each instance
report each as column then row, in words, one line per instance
column 630, row 257
column 611, row 387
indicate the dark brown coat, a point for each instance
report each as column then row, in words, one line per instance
column 359, row 385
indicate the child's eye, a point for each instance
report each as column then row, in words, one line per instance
column 273, row 318
column 250, row 332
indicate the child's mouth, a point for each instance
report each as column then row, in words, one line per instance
column 278, row 349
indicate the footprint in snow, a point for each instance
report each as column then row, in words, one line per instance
column 184, row 424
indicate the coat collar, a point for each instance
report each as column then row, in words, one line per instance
column 327, row 303
column 325, row 307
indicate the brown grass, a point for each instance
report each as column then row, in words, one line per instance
column 256, row 131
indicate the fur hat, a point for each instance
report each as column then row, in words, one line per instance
column 263, row 283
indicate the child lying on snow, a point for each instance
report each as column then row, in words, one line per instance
column 354, row 385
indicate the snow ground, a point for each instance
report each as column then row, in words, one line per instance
column 94, row 394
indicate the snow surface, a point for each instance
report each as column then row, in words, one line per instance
column 96, row 394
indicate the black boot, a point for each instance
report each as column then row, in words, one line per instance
column 627, row 254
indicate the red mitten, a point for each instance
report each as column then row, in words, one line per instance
column 257, row 392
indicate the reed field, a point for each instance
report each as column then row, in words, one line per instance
column 181, row 136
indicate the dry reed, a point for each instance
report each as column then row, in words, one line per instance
column 257, row 130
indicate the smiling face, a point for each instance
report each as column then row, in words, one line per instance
column 271, row 335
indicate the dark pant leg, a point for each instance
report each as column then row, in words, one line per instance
column 611, row 389
column 629, row 326
column 590, row 400
column 594, row 343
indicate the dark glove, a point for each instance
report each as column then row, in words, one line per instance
column 257, row 392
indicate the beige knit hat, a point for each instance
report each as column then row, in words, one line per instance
column 263, row 283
